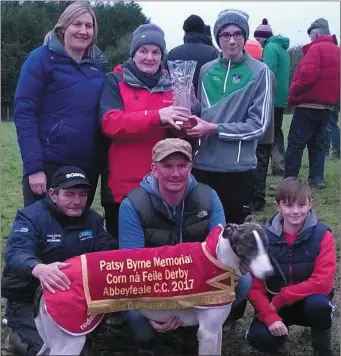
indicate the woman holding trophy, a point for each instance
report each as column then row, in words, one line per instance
column 136, row 110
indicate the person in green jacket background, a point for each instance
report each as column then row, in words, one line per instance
column 276, row 57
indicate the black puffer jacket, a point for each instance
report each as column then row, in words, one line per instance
column 196, row 48
column 42, row 234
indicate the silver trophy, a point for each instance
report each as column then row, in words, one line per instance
column 182, row 73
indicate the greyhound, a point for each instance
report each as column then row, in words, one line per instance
column 245, row 243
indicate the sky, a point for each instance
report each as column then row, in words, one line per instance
column 291, row 19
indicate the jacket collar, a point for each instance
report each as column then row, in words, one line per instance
column 66, row 221
column 55, row 46
column 274, row 226
column 320, row 39
column 164, row 84
column 193, row 37
column 225, row 61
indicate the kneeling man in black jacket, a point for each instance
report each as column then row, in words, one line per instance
column 44, row 235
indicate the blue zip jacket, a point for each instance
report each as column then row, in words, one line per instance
column 55, row 108
column 42, row 234
column 131, row 233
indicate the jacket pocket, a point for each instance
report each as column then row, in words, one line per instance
column 246, row 152
column 55, row 132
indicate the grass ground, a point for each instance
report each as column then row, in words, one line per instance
column 326, row 205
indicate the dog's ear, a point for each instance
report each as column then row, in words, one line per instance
column 229, row 230
column 250, row 219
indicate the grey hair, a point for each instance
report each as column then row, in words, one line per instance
column 65, row 20
column 320, row 32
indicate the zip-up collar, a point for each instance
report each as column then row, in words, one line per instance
column 234, row 61
column 275, row 226
column 164, row 84
column 55, row 46
column 65, row 221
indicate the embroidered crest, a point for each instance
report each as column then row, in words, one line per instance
column 236, row 78
column 202, row 214
column 84, row 235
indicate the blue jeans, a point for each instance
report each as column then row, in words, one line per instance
column 314, row 311
column 332, row 133
column 307, row 129
column 141, row 329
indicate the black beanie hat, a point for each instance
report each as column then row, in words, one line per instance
column 194, row 23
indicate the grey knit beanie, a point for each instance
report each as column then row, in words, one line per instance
column 321, row 24
column 148, row 34
column 228, row 17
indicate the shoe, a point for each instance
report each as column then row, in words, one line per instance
column 317, row 184
column 321, row 342
column 147, row 348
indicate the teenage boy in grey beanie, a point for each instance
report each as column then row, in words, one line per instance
column 235, row 93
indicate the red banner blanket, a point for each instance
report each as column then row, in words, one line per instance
column 168, row 277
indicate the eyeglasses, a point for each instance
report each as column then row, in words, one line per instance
column 226, row 36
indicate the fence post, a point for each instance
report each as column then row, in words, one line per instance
column 8, row 113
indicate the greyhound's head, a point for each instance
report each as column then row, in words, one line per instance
column 248, row 243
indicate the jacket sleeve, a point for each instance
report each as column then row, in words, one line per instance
column 257, row 297
column 308, row 72
column 270, row 58
column 130, row 232
column 116, row 123
column 27, row 104
column 321, row 280
column 258, row 115
column 104, row 241
column 21, row 248
column 217, row 217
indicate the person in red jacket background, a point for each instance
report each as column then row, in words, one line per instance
column 135, row 103
column 303, row 256
column 314, row 90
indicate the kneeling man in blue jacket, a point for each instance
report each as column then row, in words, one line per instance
column 169, row 207
column 44, row 235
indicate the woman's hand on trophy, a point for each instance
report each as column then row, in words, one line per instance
column 174, row 116
column 202, row 128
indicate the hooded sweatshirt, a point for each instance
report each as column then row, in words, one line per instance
column 131, row 233
column 276, row 57
column 320, row 281
column 237, row 95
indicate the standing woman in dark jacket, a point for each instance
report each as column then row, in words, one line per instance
column 56, row 102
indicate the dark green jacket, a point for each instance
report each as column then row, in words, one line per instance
column 276, row 57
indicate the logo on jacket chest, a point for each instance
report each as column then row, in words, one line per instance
column 236, row 78
column 53, row 237
column 85, row 235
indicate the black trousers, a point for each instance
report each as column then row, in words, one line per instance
column 111, row 213
column 277, row 154
column 263, row 153
column 307, row 129
column 234, row 191
column 50, row 170
column 314, row 311
column 20, row 319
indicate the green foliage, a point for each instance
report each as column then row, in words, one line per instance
column 25, row 24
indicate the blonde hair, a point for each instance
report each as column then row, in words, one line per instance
column 65, row 20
